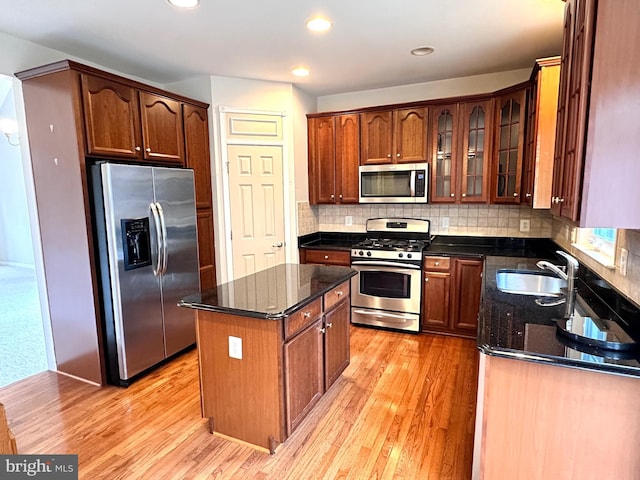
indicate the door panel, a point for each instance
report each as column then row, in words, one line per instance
column 256, row 197
column 174, row 191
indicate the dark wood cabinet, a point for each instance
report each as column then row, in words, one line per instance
column 325, row 257
column 540, row 138
column 303, row 373
column 394, row 136
column 111, row 118
column 451, row 295
column 334, row 154
column 460, row 152
column 162, row 134
column 76, row 114
column 196, row 139
column 506, row 179
column 596, row 173
column 337, row 321
column 122, row 121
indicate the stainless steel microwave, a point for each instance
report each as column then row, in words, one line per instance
column 396, row 183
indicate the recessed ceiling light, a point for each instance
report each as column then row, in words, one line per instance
column 319, row 24
column 421, row 51
column 301, row 71
column 185, row 3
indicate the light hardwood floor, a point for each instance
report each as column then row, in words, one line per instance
column 403, row 409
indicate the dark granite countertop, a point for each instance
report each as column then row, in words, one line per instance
column 514, row 326
column 330, row 240
column 270, row 294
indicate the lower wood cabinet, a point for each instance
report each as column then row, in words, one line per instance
column 336, row 341
column 451, row 295
column 326, row 257
column 303, row 373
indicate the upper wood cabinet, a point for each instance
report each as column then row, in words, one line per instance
column 595, row 184
column 506, row 181
column 111, row 118
column 542, row 108
column 394, row 136
column 123, row 122
column 460, row 152
column 334, row 150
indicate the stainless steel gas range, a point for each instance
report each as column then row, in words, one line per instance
column 387, row 290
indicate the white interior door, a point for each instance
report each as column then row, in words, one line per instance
column 257, row 207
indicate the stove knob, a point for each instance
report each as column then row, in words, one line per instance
column 360, row 253
column 408, row 255
column 400, row 255
column 368, row 254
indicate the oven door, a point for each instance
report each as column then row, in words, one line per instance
column 384, row 286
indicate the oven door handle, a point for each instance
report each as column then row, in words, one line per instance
column 386, row 264
column 394, row 316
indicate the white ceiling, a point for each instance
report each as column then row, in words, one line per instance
column 367, row 48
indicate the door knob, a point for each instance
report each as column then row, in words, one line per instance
column 277, row 245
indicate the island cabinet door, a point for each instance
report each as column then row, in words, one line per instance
column 303, row 373
column 336, row 342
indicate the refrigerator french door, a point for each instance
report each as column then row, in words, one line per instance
column 145, row 221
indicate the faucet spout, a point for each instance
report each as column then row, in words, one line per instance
column 570, row 276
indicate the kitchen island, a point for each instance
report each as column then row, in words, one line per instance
column 269, row 345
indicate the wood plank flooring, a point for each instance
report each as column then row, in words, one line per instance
column 403, row 409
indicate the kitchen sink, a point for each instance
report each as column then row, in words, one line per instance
column 526, row 282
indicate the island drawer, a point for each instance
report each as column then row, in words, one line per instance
column 299, row 320
column 337, row 294
column 437, row 263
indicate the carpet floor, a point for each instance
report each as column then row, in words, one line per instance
column 22, row 347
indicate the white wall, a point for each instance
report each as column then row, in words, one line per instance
column 15, row 232
column 453, row 87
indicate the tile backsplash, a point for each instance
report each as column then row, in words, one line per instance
column 476, row 220
column 562, row 232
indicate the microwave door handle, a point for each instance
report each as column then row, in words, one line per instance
column 412, row 182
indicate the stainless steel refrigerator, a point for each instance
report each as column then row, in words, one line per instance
column 145, row 226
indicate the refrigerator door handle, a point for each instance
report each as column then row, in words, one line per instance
column 165, row 250
column 158, row 223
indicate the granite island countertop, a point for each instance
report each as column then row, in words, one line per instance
column 270, row 294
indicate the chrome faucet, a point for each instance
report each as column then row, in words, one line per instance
column 570, row 277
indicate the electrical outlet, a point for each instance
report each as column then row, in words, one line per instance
column 566, row 232
column 444, row 222
column 348, row 220
column 235, row 347
column 525, row 225
column 624, row 256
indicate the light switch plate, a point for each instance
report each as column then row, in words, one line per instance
column 348, row 220
column 235, row 347
column 444, row 222
column 525, row 225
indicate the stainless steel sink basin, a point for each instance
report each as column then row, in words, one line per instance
column 526, row 282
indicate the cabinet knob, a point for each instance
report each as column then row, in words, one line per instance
column 560, row 200
column 437, row 264
column 340, row 196
column 148, row 150
column 307, row 314
column 326, row 257
column 329, row 325
column 340, row 293
column 528, row 195
column 138, row 149
column 322, row 330
column 464, row 194
column 554, row 199
column 453, row 195
column 333, row 196
column 388, row 155
column 426, row 279
column 515, row 194
column 398, row 155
